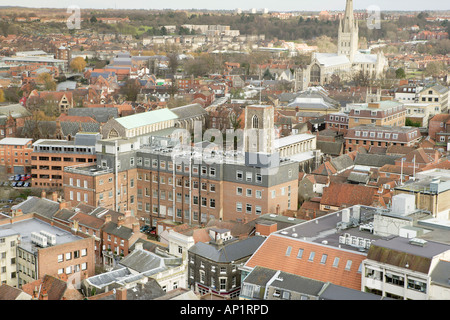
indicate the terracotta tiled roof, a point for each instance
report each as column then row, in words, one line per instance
column 54, row 287
column 272, row 254
column 9, row 293
column 337, row 195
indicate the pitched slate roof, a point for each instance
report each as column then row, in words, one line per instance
column 330, row 147
column 342, row 162
column 43, row 207
column 228, row 252
column 190, row 110
column 71, row 128
column 101, row 115
column 374, row 160
column 118, row 231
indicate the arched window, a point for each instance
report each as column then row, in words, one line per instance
column 255, row 122
column 315, row 74
column 113, row 134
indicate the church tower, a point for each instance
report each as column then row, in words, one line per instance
column 259, row 136
column 348, row 33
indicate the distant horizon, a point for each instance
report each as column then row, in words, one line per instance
column 231, row 5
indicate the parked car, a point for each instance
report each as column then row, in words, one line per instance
column 11, row 178
column 19, row 184
column 6, row 183
column 17, row 177
column 13, row 184
column 26, row 184
column 145, row 228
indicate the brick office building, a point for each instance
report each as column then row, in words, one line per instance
column 380, row 113
column 50, row 157
column 149, row 178
column 15, row 155
column 62, row 252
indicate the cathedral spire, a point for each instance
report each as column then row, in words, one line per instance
column 349, row 20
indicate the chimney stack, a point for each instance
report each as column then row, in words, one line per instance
column 121, row 221
column 55, row 196
column 121, row 293
column 136, row 227
column 62, row 205
column 43, row 194
column 107, row 218
column 138, row 246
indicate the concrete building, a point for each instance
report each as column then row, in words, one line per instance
column 9, row 239
column 437, row 94
column 402, row 268
column 431, row 189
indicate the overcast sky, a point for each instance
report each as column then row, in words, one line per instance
column 277, row 5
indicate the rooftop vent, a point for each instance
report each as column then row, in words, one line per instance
column 418, row 242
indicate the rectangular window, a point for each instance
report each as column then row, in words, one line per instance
column 323, row 260
column 300, row 253
column 348, row 265
column 288, row 251
column 336, row 262
column 311, row 256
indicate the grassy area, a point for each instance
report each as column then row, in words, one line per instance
column 414, row 74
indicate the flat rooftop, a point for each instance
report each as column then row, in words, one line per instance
column 324, row 230
column 26, row 227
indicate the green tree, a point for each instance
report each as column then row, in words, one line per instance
column 400, row 73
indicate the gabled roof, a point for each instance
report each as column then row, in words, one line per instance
column 228, row 252
column 146, row 118
column 374, row 160
column 338, row 195
column 9, row 293
column 119, row 231
column 43, row 207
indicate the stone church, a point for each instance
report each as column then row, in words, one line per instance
column 347, row 61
